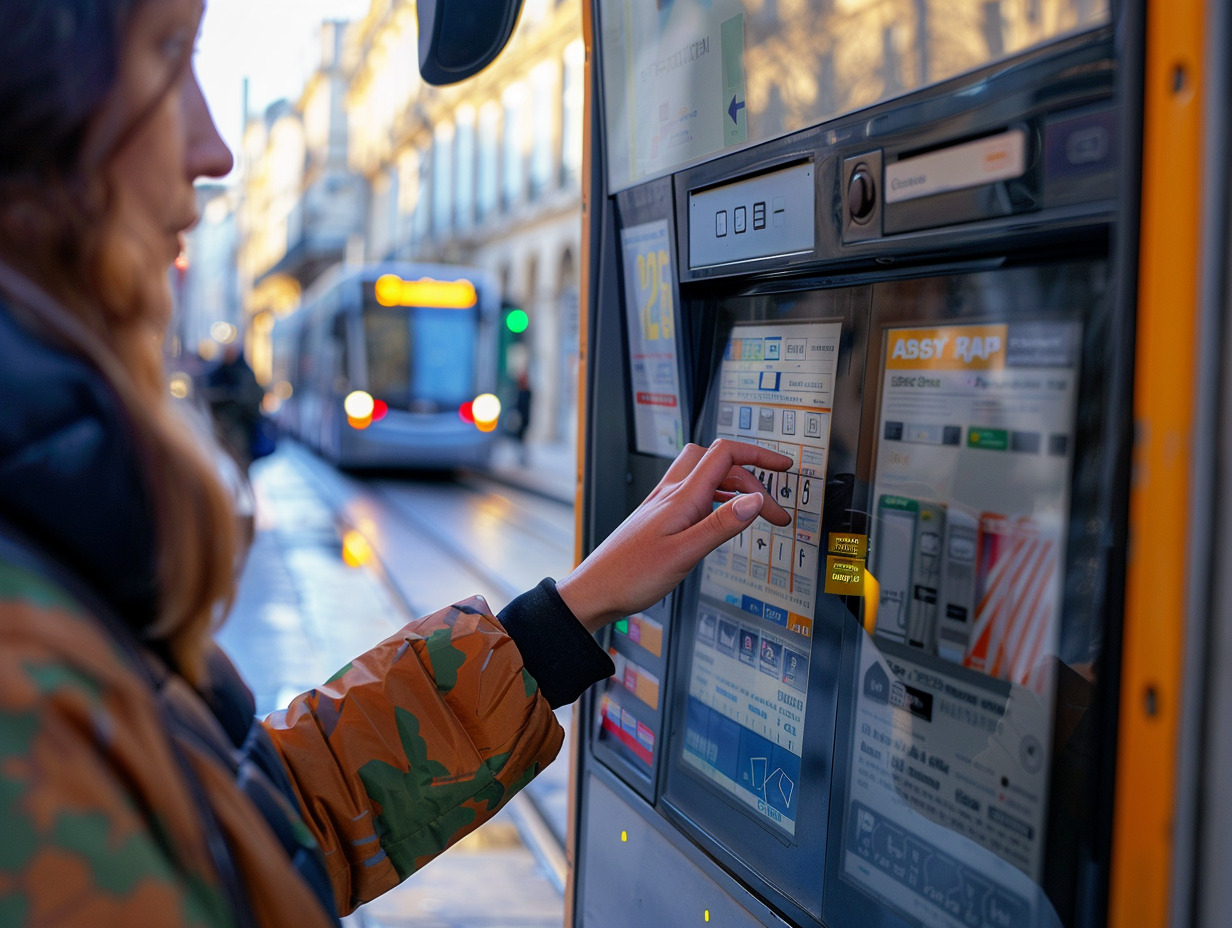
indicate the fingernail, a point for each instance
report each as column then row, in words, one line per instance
column 746, row 506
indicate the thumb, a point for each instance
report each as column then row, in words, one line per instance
column 723, row 524
column 746, row 506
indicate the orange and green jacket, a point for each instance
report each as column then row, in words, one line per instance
column 128, row 798
column 404, row 751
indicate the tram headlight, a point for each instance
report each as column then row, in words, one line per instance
column 356, row 549
column 359, row 407
column 486, row 409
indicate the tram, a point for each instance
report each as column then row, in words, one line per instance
column 965, row 261
column 392, row 365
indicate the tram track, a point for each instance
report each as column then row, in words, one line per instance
column 534, row 545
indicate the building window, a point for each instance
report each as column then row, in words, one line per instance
column 543, row 129
column 409, row 206
column 572, row 101
column 489, row 148
column 383, row 216
column 421, row 220
column 464, row 164
column 891, row 63
column 442, row 180
column 994, row 29
column 514, row 100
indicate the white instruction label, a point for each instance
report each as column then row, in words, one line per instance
column 1000, row 157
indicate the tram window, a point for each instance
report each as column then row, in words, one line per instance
column 387, row 341
column 342, row 361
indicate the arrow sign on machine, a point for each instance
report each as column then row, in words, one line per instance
column 734, row 108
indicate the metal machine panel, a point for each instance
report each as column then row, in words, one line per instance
column 935, row 754
column 624, row 876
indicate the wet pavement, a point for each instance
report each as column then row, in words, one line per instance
column 301, row 613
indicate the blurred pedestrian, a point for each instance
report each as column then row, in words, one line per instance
column 137, row 788
column 230, row 389
column 519, row 367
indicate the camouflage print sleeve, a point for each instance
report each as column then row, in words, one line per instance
column 413, row 745
column 95, row 826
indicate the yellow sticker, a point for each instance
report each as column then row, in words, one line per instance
column 849, row 545
column 946, row 348
column 844, row 576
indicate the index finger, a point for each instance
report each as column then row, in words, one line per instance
column 724, row 454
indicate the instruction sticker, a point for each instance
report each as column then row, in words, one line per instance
column 650, row 316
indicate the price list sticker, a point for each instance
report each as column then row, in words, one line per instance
column 650, row 318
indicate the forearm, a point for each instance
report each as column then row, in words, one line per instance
column 413, row 745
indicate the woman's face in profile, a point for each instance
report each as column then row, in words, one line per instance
column 172, row 140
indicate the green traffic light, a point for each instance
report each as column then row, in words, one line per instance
column 517, row 321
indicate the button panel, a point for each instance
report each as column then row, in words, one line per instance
column 780, row 205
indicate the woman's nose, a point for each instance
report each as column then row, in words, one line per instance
column 207, row 155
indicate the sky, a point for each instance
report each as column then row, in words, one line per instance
column 273, row 43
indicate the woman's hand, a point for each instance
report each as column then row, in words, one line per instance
column 674, row 528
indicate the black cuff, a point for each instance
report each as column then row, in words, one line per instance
column 558, row 652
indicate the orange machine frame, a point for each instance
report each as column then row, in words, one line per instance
column 1160, row 497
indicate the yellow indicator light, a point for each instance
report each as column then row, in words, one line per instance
column 624, row 836
column 486, row 409
column 392, row 290
column 356, row 549
column 706, row 915
column 359, row 405
column 872, row 598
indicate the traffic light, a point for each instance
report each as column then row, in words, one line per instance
column 516, row 320
column 515, row 323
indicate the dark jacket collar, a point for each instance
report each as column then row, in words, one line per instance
column 69, row 474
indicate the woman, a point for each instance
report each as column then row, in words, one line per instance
column 135, row 787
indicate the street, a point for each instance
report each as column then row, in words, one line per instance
column 339, row 562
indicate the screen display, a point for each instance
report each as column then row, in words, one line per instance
column 749, row 668
column 949, row 773
column 684, row 79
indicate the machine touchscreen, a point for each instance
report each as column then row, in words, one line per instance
column 949, row 776
column 749, row 668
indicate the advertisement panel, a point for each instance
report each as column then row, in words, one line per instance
column 949, row 770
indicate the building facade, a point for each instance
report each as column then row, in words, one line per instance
column 205, row 279
column 302, row 207
column 486, row 173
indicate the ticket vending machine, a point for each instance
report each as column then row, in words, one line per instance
column 897, row 242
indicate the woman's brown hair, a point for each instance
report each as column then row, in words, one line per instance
column 58, row 228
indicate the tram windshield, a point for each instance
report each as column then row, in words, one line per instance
column 421, row 358
column 683, row 79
